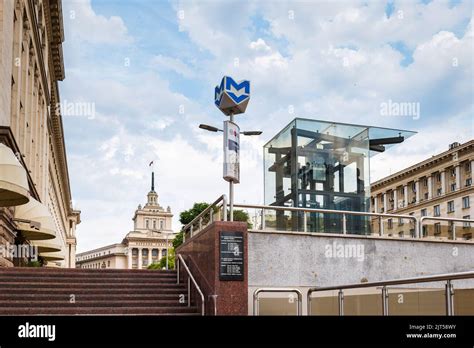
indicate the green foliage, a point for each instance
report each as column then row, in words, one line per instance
column 34, row 264
column 242, row 215
column 178, row 240
column 162, row 263
column 187, row 216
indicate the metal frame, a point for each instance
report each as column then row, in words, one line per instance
column 448, row 277
column 293, row 290
column 191, row 278
column 209, row 210
column 439, row 218
column 344, row 214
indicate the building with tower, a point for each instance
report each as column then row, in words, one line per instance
column 147, row 243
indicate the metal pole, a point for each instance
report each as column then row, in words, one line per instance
column 263, row 219
column 454, row 230
column 189, row 291
column 341, row 302
column 177, row 268
column 344, row 224
column 381, row 226
column 449, row 298
column 167, row 251
column 305, row 222
column 231, row 201
column 308, row 304
column 384, row 301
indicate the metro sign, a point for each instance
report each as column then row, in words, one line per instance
column 232, row 97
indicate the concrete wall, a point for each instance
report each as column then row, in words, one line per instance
column 314, row 260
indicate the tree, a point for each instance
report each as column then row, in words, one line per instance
column 162, row 263
column 242, row 215
column 187, row 216
column 178, row 239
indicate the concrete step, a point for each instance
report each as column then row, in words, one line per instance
column 71, row 280
column 92, row 303
column 99, row 310
column 93, row 291
column 91, row 297
column 81, row 270
column 88, row 285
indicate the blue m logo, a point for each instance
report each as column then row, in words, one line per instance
column 236, row 91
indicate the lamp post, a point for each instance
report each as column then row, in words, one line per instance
column 231, row 98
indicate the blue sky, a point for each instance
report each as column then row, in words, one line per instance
column 150, row 67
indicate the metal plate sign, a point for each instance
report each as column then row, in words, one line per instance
column 231, row 152
column 231, row 263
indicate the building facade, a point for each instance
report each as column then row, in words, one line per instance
column 440, row 186
column 31, row 64
column 149, row 241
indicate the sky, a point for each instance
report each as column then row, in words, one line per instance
column 147, row 70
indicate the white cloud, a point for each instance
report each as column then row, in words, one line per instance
column 163, row 63
column 84, row 24
column 259, row 45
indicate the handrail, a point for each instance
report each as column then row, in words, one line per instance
column 384, row 283
column 329, row 211
column 190, row 276
column 209, row 209
column 260, row 290
column 439, row 218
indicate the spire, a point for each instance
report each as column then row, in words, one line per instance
column 153, row 181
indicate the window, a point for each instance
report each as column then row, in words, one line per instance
column 147, row 223
column 424, row 212
column 453, row 187
column 468, row 166
column 390, row 223
column 400, row 221
column 438, row 177
column 450, row 206
column 465, row 202
column 162, row 224
column 439, row 191
column 468, row 182
column 108, row 263
column 436, row 210
column 453, row 172
column 437, row 228
column 466, row 224
column 425, row 182
column 413, row 186
column 426, row 195
column 154, row 224
column 425, row 231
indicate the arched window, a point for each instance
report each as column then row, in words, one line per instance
column 147, row 222
column 154, row 224
column 162, row 224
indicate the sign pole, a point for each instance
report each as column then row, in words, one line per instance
column 231, row 186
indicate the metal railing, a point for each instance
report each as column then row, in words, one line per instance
column 209, row 211
column 439, row 218
column 278, row 290
column 200, row 221
column 344, row 214
column 449, row 296
column 190, row 278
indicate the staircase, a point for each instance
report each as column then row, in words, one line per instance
column 48, row 291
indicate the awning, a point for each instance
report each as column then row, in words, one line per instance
column 53, row 256
column 47, row 246
column 13, row 179
column 35, row 212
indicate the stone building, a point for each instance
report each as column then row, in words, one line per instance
column 152, row 235
column 440, row 186
column 31, row 130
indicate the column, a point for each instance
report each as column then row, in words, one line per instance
column 405, row 195
column 430, row 187
column 376, row 203
column 129, row 256
column 395, row 198
column 385, row 202
column 149, row 256
column 140, row 261
column 417, row 191
column 160, row 255
column 458, row 176
column 443, row 182
column 72, row 257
